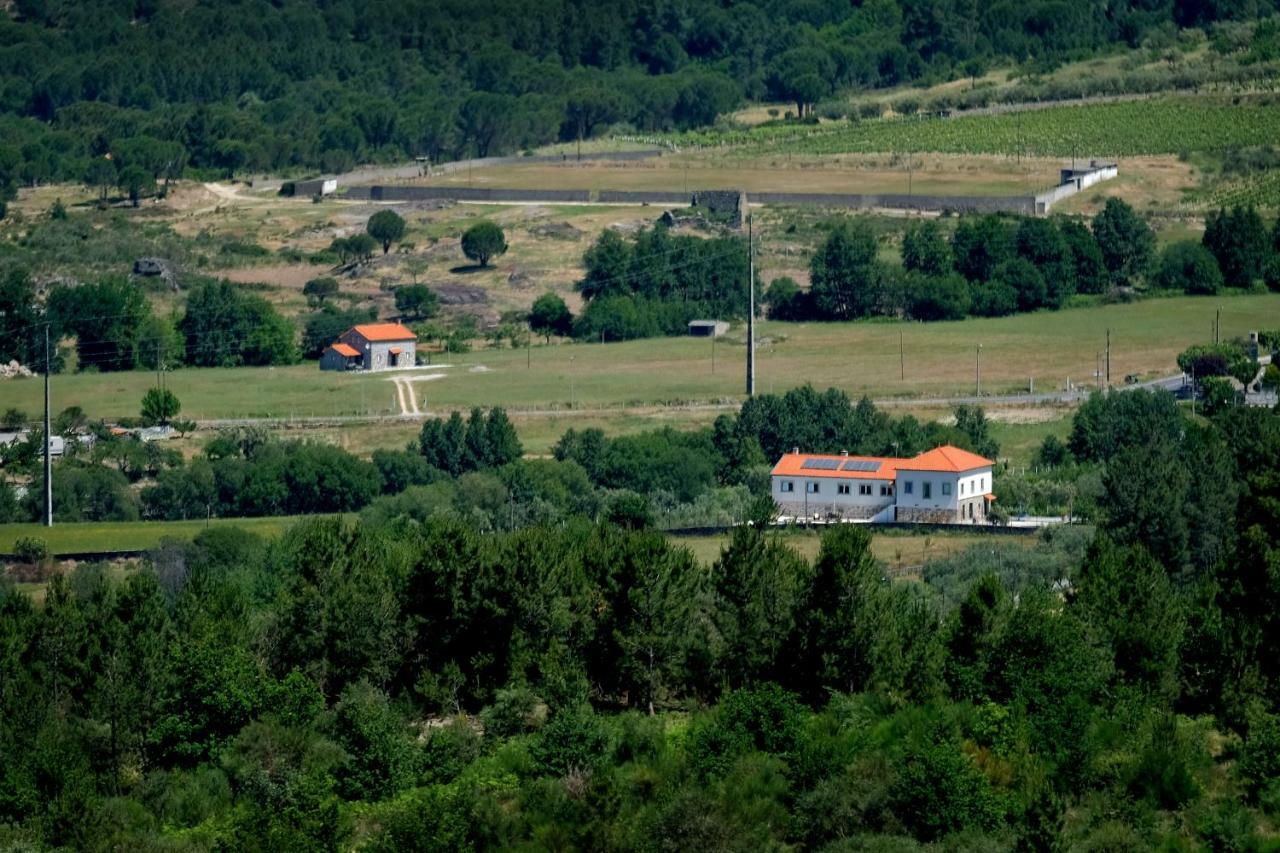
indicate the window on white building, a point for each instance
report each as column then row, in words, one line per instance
column 886, row 490
column 864, row 488
column 926, row 490
column 787, row 486
column 811, row 488
column 946, row 488
column 907, row 486
column 842, row 488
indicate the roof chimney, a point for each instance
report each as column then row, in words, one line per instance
column 844, row 453
column 795, row 450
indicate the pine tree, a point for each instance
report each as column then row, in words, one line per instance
column 475, row 452
column 502, row 443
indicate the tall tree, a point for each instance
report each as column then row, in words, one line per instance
column 842, row 272
column 1238, row 239
column 1126, row 241
column 925, row 250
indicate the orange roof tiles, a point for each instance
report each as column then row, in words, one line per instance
column 792, row 465
column 384, row 332
column 944, row 458
column 345, row 349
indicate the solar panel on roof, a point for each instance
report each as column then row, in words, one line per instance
column 862, row 465
column 822, row 464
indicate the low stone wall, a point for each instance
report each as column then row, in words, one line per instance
column 959, row 203
column 492, row 194
column 962, row 204
column 924, row 515
column 797, row 509
column 641, row 197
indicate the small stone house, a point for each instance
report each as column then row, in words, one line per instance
column 945, row 485
column 372, row 347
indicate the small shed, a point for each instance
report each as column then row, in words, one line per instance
column 707, row 328
column 340, row 356
column 310, row 188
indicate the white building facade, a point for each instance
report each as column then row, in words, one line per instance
column 946, row 485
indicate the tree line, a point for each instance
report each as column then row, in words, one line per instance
column 397, row 683
column 115, row 327
column 996, row 265
column 228, row 88
column 465, row 467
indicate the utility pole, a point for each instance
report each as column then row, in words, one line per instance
column 977, row 371
column 902, row 359
column 751, row 309
column 48, row 438
column 1217, row 325
column 1108, row 358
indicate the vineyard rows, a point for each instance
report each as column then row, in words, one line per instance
column 1127, row 129
column 1259, row 191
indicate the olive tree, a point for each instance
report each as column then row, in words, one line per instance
column 483, row 241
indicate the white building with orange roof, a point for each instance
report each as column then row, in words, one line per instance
column 945, row 485
column 372, row 346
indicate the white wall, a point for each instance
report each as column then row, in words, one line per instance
column 976, row 482
column 829, row 492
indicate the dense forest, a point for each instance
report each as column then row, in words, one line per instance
column 225, row 87
column 404, row 684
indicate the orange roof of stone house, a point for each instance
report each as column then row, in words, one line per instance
column 385, row 332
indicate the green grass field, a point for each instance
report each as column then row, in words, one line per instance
column 896, row 549
column 128, row 535
column 860, row 358
column 931, row 175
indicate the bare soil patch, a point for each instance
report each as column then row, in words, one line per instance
column 292, row 276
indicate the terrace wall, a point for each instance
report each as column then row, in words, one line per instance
column 962, row 204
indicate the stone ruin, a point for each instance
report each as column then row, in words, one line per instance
column 156, row 267
column 711, row 207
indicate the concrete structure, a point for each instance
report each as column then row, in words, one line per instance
column 707, row 328
column 1074, row 180
column 372, row 346
column 946, row 485
column 319, row 186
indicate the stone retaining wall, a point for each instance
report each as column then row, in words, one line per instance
column 1025, row 205
column 924, row 515
column 797, row 509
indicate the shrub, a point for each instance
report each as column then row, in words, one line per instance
column 575, row 739
column 29, row 549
